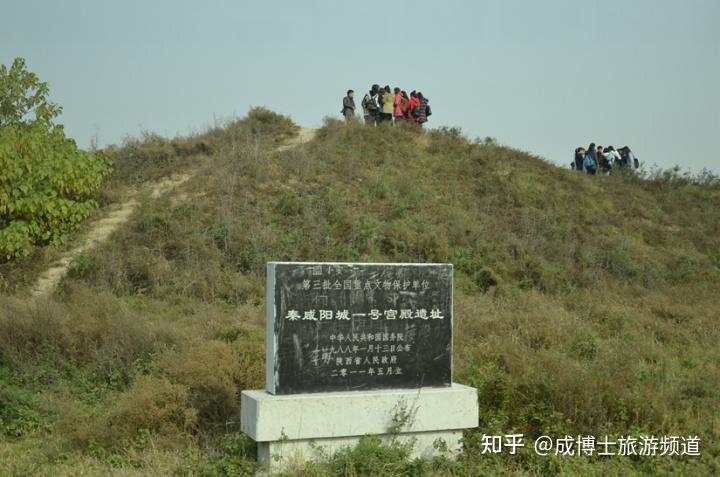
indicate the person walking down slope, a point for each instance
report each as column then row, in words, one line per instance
column 590, row 161
column 349, row 106
column 370, row 106
column 388, row 106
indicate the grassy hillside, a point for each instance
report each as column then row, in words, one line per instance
column 584, row 305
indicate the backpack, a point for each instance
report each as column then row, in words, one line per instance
column 368, row 103
column 428, row 111
column 589, row 162
column 636, row 163
column 604, row 162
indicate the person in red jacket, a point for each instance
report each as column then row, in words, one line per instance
column 412, row 103
column 398, row 114
column 404, row 104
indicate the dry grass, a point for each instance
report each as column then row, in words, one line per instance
column 583, row 305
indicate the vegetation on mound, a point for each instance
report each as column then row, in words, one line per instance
column 583, row 305
column 47, row 185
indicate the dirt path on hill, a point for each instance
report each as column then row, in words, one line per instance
column 101, row 228
column 304, row 135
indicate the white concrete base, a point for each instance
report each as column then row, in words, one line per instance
column 283, row 454
column 295, row 428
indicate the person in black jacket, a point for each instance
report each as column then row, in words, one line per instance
column 579, row 158
column 349, row 106
column 370, row 106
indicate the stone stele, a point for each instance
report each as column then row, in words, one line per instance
column 356, row 349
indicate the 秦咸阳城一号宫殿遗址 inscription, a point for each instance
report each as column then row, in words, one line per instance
column 343, row 327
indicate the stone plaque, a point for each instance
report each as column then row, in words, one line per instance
column 352, row 326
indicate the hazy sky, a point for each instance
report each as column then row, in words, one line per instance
column 543, row 76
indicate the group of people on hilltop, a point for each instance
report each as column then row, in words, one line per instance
column 596, row 159
column 383, row 105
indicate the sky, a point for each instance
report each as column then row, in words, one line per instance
column 541, row 76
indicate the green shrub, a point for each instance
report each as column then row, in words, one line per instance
column 236, row 456
column 46, row 183
column 260, row 124
column 373, row 457
column 46, row 187
column 20, row 411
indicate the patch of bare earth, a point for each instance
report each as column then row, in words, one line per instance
column 304, row 135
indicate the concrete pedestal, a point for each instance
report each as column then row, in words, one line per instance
column 300, row 427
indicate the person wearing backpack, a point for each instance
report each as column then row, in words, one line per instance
column 623, row 156
column 370, row 106
column 422, row 110
column 377, row 100
column 381, row 102
column 348, row 109
column 604, row 159
column 629, row 159
column 590, row 161
column 632, row 159
column 613, row 156
column 413, row 102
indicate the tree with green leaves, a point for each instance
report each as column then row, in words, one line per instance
column 47, row 184
column 24, row 98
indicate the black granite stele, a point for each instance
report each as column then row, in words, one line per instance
column 345, row 327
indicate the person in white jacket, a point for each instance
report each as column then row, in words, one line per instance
column 612, row 156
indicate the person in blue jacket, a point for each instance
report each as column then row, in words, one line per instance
column 590, row 162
